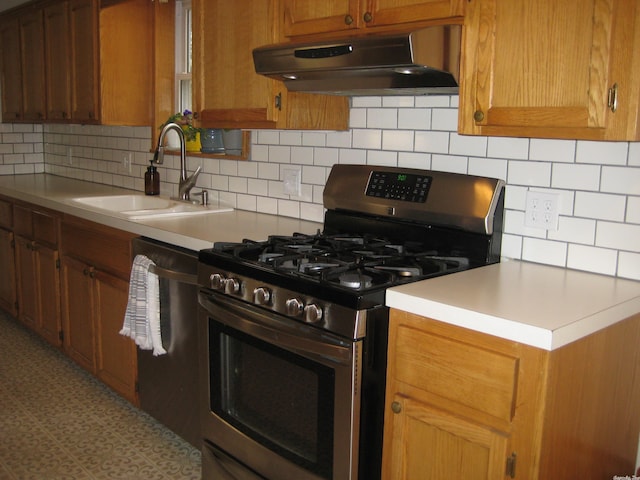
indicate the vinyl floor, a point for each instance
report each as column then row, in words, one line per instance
column 59, row 422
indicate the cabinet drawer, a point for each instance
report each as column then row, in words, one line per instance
column 45, row 227
column 22, row 221
column 482, row 379
column 6, row 214
column 106, row 248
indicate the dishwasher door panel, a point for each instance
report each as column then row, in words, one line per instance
column 168, row 384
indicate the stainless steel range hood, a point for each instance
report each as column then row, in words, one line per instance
column 422, row 62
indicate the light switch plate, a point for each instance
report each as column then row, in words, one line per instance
column 292, row 178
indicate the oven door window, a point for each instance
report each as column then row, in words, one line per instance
column 278, row 398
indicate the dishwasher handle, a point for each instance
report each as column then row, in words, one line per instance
column 173, row 275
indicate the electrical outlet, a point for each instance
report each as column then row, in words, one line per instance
column 542, row 210
column 292, row 181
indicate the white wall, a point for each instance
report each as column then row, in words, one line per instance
column 599, row 182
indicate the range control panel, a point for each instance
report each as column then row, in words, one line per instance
column 407, row 187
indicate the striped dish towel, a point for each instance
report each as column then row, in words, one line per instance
column 142, row 317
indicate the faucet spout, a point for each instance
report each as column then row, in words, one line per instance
column 186, row 183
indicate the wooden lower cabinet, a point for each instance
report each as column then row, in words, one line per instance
column 8, row 298
column 461, row 404
column 95, row 274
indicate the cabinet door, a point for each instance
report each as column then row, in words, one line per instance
column 33, row 69
column 545, row 69
column 77, row 308
column 27, row 284
column 12, row 72
column 429, row 444
column 49, row 322
column 83, row 23
column 116, row 354
column 394, row 12
column 56, row 34
column 305, row 17
column 227, row 91
column 8, row 296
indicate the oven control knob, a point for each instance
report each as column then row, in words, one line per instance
column 294, row 307
column 232, row 286
column 312, row 313
column 262, row 296
column 217, row 281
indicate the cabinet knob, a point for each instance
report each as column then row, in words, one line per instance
column 367, row 17
column 396, row 407
column 348, row 19
column 478, row 115
column 612, row 101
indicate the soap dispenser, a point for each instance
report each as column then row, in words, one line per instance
column 152, row 180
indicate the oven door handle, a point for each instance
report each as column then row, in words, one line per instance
column 289, row 335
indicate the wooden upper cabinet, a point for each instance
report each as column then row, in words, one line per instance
column 308, row 17
column 33, row 69
column 226, row 90
column 84, row 68
column 551, row 69
column 56, row 28
column 11, row 69
column 126, row 62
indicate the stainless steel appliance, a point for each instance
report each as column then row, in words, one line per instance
column 295, row 328
column 425, row 61
column 168, row 384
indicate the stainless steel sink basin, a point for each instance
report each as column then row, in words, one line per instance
column 138, row 206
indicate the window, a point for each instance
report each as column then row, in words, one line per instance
column 184, row 19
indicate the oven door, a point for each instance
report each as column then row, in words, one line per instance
column 283, row 397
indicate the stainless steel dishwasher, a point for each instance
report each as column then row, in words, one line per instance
column 168, row 384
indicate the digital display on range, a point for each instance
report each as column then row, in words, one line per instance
column 406, row 187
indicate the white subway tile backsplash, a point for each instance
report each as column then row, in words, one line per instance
column 382, row 118
column 247, row 202
column 269, row 171
column 592, row 259
column 398, row 101
column 432, row 142
column 445, row 119
column 544, row 251
column 449, row 163
column 602, row 153
column 280, row 154
column 576, row 177
column 624, row 180
column 258, row 187
column 399, row 140
column 371, row 139
column 420, row 161
column 552, row 150
column 488, row 167
column 574, row 230
column 238, row 185
column 314, row 175
column 339, row 139
column 325, row 156
column 378, row 157
column 314, row 139
column 634, row 154
column 414, row 118
column 467, row 145
column 358, row 118
column 620, row 236
column 302, row 155
column 288, row 208
column 633, row 210
column 290, row 137
column 366, row 102
column 629, row 265
column 436, row 101
column 358, row 157
column 536, row 174
column 600, row 206
column 508, row 148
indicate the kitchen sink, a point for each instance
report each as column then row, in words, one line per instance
column 138, row 207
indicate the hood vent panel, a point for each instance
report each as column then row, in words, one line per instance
column 422, row 62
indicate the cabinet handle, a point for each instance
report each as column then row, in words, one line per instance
column 92, row 274
column 278, row 101
column 478, row 115
column 396, row 407
column 367, row 17
column 348, row 19
column 195, row 115
column 612, row 101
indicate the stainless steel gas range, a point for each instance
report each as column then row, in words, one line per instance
column 294, row 328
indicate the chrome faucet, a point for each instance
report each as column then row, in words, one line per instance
column 186, row 183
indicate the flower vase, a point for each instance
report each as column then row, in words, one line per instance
column 191, row 145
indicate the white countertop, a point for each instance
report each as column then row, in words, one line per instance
column 542, row 306
column 192, row 232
